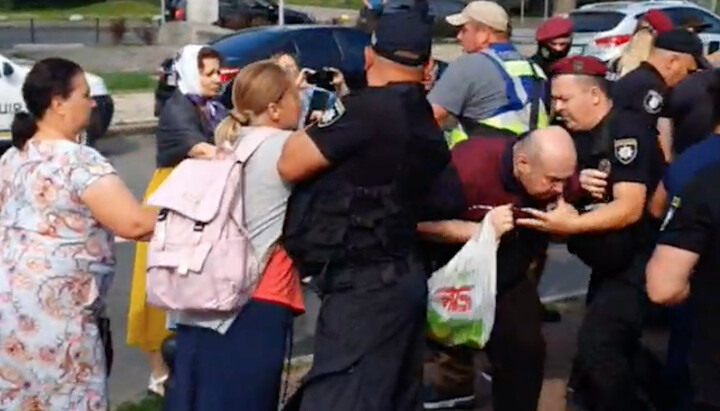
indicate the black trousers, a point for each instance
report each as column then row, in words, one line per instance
column 516, row 351
column 369, row 344
column 612, row 370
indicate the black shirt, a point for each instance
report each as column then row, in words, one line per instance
column 642, row 91
column 375, row 130
column 181, row 126
column 632, row 153
column 632, row 150
column 689, row 104
column 481, row 173
column 693, row 224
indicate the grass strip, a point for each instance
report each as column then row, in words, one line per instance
column 123, row 82
column 131, row 9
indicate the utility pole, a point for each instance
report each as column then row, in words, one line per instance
column 281, row 13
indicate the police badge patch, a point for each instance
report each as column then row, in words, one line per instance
column 626, row 150
column 653, row 102
column 332, row 114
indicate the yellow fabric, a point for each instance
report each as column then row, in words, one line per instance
column 146, row 327
column 455, row 136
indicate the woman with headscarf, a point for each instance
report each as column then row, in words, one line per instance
column 185, row 130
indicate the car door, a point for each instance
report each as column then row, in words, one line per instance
column 11, row 100
column 317, row 48
column 710, row 36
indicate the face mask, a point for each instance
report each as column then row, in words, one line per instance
column 551, row 55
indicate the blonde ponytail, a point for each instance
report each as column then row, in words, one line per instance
column 228, row 131
column 636, row 52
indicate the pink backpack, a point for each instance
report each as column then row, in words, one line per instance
column 200, row 257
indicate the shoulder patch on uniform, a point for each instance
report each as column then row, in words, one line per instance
column 331, row 115
column 674, row 205
column 626, row 150
column 653, row 102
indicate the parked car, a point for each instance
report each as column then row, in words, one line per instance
column 175, row 10
column 239, row 14
column 12, row 77
column 315, row 47
column 604, row 29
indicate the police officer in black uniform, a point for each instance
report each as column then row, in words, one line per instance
column 606, row 232
column 362, row 174
column 676, row 54
column 687, row 260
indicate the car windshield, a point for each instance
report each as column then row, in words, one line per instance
column 594, row 21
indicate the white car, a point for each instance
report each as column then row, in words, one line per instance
column 12, row 76
column 604, row 29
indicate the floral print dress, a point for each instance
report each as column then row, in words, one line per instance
column 55, row 268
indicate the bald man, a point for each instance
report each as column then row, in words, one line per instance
column 610, row 231
column 486, row 172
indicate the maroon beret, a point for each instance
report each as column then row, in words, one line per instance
column 553, row 28
column 586, row 65
column 658, row 20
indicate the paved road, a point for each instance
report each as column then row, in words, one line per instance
column 134, row 158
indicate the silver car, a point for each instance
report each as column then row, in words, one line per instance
column 602, row 30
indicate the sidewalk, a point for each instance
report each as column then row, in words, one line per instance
column 134, row 113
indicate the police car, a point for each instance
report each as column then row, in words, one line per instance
column 603, row 30
column 12, row 76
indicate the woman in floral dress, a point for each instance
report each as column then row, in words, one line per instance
column 60, row 205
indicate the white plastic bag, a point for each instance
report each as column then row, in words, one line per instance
column 461, row 300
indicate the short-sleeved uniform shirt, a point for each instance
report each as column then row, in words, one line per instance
column 633, row 154
column 643, row 91
column 632, row 150
column 689, row 104
column 369, row 133
column 693, row 224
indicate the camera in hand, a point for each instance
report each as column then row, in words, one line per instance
column 321, row 78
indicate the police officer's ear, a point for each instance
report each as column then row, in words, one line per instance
column 428, row 74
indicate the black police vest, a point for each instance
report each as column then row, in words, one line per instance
column 611, row 251
column 331, row 223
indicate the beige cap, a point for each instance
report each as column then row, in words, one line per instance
column 485, row 12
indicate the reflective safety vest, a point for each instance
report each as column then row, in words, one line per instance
column 521, row 76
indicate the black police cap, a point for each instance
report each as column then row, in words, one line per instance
column 683, row 41
column 404, row 37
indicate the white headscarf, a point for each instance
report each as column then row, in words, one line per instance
column 186, row 66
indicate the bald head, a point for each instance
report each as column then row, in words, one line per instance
column 548, row 145
column 544, row 160
column 671, row 65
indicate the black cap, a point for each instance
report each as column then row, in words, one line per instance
column 403, row 37
column 683, row 41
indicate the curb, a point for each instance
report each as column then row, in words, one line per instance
column 134, row 127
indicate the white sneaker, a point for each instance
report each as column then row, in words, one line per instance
column 157, row 384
